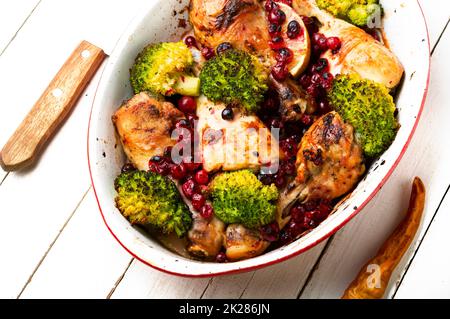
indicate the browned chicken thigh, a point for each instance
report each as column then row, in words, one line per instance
column 329, row 164
column 144, row 125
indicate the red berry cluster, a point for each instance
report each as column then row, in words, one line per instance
column 305, row 217
column 284, row 56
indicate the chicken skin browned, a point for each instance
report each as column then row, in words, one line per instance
column 243, row 243
column 240, row 22
column 360, row 53
column 329, row 163
column 144, row 125
column 206, row 237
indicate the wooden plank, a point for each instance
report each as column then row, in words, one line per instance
column 13, row 15
column 427, row 276
column 426, row 158
column 283, row 280
column 141, row 281
column 84, row 262
column 437, row 13
column 55, row 185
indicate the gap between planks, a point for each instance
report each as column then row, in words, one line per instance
column 18, row 30
column 52, row 243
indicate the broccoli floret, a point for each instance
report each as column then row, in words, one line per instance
column 149, row 199
column 358, row 12
column 165, row 68
column 369, row 108
column 239, row 197
column 234, row 77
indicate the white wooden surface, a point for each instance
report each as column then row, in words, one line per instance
column 53, row 241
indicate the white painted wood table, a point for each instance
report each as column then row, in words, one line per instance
column 53, row 242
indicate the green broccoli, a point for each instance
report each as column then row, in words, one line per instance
column 165, row 68
column 358, row 12
column 149, row 199
column 239, row 197
column 369, row 108
column 234, row 77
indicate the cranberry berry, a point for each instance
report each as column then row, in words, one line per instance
column 334, row 44
column 207, row 211
column 270, row 232
column 284, row 55
column 280, row 72
column 189, row 187
column 276, row 43
column 221, row 257
column 274, row 29
column 208, row 53
column 201, row 177
column 277, row 16
column 228, row 114
column 191, row 42
column 198, row 200
column 178, row 171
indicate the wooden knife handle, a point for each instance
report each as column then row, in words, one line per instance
column 52, row 107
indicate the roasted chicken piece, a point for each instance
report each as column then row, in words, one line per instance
column 243, row 243
column 240, row 22
column 144, row 126
column 329, row 164
column 360, row 53
column 243, row 24
column 206, row 237
column 243, row 142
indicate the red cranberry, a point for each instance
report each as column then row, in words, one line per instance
column 306, row 120
column 187, row 104
column 280, row 72
column 294, row 228
column 327, row 81
column 313, row 90
column 294, row 30
column 192, row 118
column 153, row 167
column 190, row 165
column 305, row 80
column 321, row 41
column 190, row 41
column 297, row 213
column 178, row 171
column 221, row 257
column 274, row 29
column 320, row 66
column 269, row 5
column 223, row 47
column 277, row 16
column 284, row 55
column 189, row 187
column 206, row 211
column 316, row 78
column 198, row 200
column 208, row 53
column 202, row 177
column 270, row 232
column 128, row 167
column 276, row 43
column 334, row 43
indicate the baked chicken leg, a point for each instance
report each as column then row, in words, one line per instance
column 329, row 164
column 360, row 53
